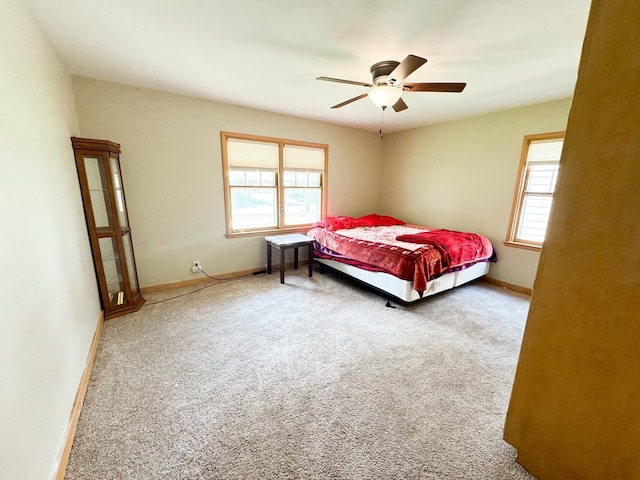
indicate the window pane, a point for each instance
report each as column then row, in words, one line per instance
column 534, row 219
column 253, row 208
column 253, row 178
column 301, row 179
column 301, row 206
column 289, row 179
column 542, row 178
column 236, row 178
column 271, row 183
column 314, row 179
column 268, row 179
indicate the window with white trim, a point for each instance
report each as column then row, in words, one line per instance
column 538, row 173
column 272, row 184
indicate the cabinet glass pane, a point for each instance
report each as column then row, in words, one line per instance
column 119, row 193
column 131, row 268
column 112, row 270
column 98, row 191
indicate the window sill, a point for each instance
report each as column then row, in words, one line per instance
column 524, row 246
column 276, row 231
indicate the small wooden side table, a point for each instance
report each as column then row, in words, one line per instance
column 284, row 242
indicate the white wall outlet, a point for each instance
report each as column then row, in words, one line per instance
column 196, row 268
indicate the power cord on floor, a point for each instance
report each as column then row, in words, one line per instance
column 217, row 282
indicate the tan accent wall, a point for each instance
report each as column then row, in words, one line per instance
column 574, row 407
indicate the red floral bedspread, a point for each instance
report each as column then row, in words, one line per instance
column 409, row 252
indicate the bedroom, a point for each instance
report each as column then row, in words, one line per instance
column 63, row 266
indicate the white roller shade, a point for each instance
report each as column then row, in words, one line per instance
column 244, row 153
column 303, row 158
column 545, row 150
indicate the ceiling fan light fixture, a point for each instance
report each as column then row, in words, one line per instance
column 384, row 96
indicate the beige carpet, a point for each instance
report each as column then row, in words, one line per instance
column 315, row 379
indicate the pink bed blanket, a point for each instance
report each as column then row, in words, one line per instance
column 399, row 249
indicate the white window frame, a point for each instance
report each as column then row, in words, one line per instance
column 280, row 187
column 514, row 236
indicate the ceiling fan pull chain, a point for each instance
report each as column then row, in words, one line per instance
column 381, row 122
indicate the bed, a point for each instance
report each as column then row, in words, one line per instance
column 402, row 261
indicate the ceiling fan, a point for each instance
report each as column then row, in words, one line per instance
column 388, row 83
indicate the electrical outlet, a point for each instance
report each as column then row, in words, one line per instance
column 196, row 268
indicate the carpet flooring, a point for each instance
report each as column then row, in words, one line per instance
column 314, row 379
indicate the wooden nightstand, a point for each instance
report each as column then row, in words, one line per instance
column 284, row 242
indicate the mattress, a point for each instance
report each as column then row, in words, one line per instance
column 403, row 289
column 407, row 262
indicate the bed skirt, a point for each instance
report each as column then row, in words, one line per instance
column 403, row 289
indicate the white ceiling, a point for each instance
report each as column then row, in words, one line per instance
column 267, row 54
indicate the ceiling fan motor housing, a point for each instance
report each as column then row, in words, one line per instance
column 388, row 83
column 380, row 72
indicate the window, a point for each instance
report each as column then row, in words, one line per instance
column 272, row 184
column 539, row 165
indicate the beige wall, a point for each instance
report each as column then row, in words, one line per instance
column 173, row 176
column 49, row 305
column 171, row 160
column 574, row 406
column 461, row 175
column 172, row 171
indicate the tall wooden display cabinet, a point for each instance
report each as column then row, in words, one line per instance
column 98, row 163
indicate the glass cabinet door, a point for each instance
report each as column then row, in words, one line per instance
column 98, row 164
column 112, row 271
column 119, row 193
column 98, row 191
column 131, row 266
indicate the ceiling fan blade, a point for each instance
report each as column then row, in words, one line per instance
column 400, row 105
column 339, row 80
column 351, row 100
column 405, row 68
column 434, row 87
